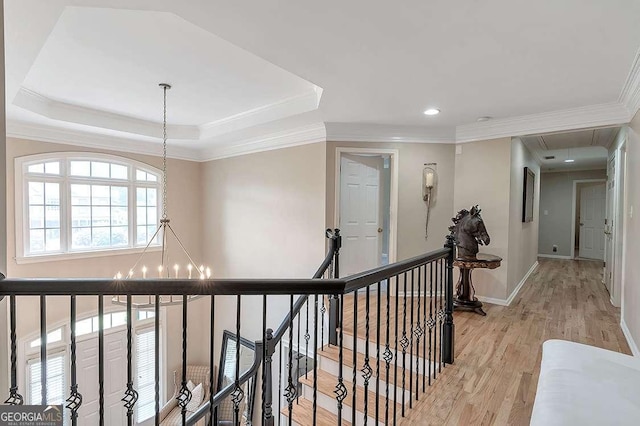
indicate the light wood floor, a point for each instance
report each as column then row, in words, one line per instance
column 494, row 378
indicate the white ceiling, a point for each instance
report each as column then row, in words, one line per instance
column 588, row 149
column 240, row 67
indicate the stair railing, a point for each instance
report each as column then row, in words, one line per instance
column 390, row 329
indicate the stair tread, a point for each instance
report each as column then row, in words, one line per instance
column 302, row 413
column 332, row 353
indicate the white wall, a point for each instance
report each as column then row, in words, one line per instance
column 631, row 282
column 523, row 237
column 556, row 199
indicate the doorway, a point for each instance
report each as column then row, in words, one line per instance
column 366, row 197
column 589, row 206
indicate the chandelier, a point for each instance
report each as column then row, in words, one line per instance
column 163, row 270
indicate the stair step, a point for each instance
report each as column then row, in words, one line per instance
column 333, row 353
column 418, row 349
column 302, row 414
column 327, row 384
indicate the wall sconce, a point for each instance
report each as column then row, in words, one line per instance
column 429, row 184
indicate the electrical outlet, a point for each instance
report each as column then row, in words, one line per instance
column 555, row 248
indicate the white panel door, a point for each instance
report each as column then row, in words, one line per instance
column 609, row 226
column 360, row 213
column 115, row 379
column 592, row 215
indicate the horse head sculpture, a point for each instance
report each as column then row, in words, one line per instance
column 468, row 232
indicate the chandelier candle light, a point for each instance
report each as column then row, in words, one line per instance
column 165, row 270
column 429, row 183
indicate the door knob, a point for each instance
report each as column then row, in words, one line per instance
column 379, row 230
column 581, row 224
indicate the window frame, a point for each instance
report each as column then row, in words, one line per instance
column 22, row 177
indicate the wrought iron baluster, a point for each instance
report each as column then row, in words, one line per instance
column 156, row 367
column 323, row 309
column 307, row 337
column 298, row 355
column 101, row 359
column 430, row 324
column 388, row 355
column 354, row 358
column 341, row 390
column 418, row 333
column 395, row 364
column 75, row 399
column 280, row 383
column 131, row 395
column 290, row 391
column 315, row 360
column 184, row 396
column 441, row 312
column 436, row 321
column 238, row 394
column 404, row 341
column 43, row 349
column 14, row 397
column 367, row 372
column 424, row 326
column 378, row 296
column 213, row 411
column 411, row 343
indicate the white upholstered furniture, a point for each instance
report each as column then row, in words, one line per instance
column 171, row 413
column 584, row 385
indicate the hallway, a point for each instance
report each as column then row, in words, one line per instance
column 494, row 378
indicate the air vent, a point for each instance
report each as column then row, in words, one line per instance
column 550, row 157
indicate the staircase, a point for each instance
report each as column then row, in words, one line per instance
column 393, row 388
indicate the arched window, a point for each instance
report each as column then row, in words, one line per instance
column 83, row 202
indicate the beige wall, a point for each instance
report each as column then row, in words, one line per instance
column 631, row 283
column 264, row 218
column 523, row 237
column 556, row 198
column 184, row 189
column 483, row 176
column 411, row 207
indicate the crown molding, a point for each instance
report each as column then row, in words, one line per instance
column 294, row 137
column 293, row 105
column 630, row 94
column 70, row 113
column 355, row 132
column 51, row 134
column 600, row 115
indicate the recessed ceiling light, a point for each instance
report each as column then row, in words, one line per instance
column 481, row 119
column 569, row 160
column 432, row 111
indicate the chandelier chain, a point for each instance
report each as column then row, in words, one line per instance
column 164, row 155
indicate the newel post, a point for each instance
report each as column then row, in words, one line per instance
column 268, row 374
column 448, row 328
column 334, row 313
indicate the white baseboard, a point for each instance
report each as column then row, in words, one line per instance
column 514, row 293
column 492, row 300
column 627, row 334
column 555, row 256
column 524, row 279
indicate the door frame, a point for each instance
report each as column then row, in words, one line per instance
column 393, row 202
column 620, row 222
column 574, row 210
